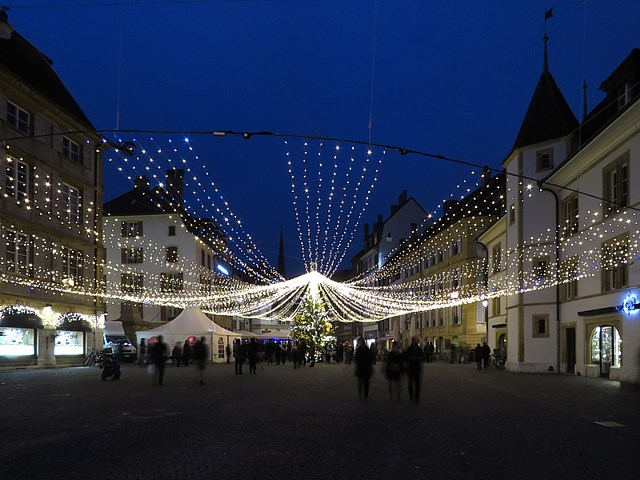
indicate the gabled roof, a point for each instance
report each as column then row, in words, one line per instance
column 32, row 67
column 548, row 116
column 142, row 200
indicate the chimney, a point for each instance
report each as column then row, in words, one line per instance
column 366, row 233
column 175, row 185
column 402, row 199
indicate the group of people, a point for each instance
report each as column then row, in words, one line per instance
column 398, row 365
column 482, row 355
column 157, row 355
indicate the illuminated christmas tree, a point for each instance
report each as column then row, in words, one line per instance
column 312, row 325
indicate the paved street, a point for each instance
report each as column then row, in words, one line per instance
column 282, row 423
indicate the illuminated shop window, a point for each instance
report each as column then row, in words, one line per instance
column 606, row 345
column 69, row 343
column 15, row 342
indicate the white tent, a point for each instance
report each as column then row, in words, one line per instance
column 193, row 323
column 275, row 334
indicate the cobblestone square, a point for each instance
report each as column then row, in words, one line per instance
column 310, row 423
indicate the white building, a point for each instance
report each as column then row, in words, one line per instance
column 568, row 244
column 155, row 251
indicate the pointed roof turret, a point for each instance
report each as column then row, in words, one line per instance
column 281, row 268
column 549, row 115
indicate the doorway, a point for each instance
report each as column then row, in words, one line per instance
column 606, row 348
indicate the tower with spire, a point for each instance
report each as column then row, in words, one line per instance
column 281, row 268
column 547, row 135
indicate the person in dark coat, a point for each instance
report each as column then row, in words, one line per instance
column 394, row 370
column 159, row 353
column 478, row 354
column 252, row 354
column 200, row 355
column 364, row 369
column 414, row 356
column 238, row 355
column 186, row 353
column 486, row 354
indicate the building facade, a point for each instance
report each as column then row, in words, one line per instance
column 158, row 254
column 568, row 242
column 51, row 253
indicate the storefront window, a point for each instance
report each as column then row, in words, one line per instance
column 17, row 341
column 69, row 343
column 606, row 345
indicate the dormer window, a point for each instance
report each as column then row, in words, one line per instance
column 624, row 95
column 544, row 159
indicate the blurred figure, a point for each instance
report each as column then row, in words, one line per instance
column 486, row 354
column 201, row 355
column 394, row 370
column 142, row 350
column 238, row 355
column 296, row 353
column 159, row 353
column 110, row 368
column 414, row 356
column 364, row 360
column 227, row 350
column 478, row 354
column 186, row 353
column 176, row 354
column 252, row 353
column 374, row 352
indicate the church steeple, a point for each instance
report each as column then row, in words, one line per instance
column 281, row 268
column 549, row 115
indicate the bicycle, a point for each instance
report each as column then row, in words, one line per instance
column 499, row 361
column 93, row 358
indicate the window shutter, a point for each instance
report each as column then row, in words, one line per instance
column 163, row 314
column 31, row 180
column 123, row 257
column 140, row 228
column 123, row 229
column 80, row 202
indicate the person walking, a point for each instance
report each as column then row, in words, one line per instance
column 159, row 354
column 186, row 353
column 228, row 351
column 252, row 353
column 414, row 356
column 238, row 355
column 478, row 354
column 142, row 359
column 394, row 370
column 176, row 354
column 200, row 355
column 364, row 370
column 486, row 355
column 296, row 353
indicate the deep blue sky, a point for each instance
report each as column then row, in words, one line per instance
column 452, row 78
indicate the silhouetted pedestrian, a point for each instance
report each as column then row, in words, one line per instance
column 176, row 354
column 414, row 356
column 394, row 371
column 238, row 355
column 486, row 354
column 228, row 352
column 200, row 355
column 252, row 353
column 478, row 354
column 159, row 354
column 364, row 370
column 186, row 353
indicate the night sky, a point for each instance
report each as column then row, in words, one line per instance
column 450, row 78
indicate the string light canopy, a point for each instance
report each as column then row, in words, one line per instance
column 331, row 181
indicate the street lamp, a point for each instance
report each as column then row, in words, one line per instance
column 485, row 304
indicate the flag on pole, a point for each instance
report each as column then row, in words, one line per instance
column 548, row 14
